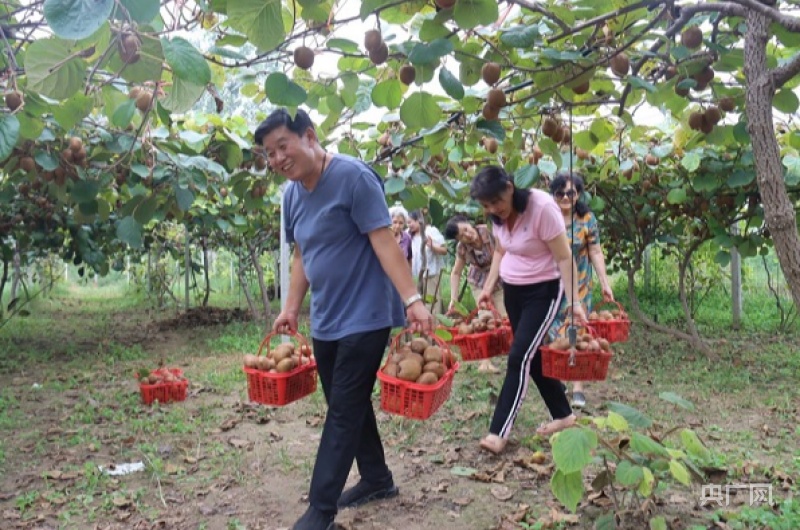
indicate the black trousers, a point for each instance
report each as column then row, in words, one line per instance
column 531, row 310
column 347, row 369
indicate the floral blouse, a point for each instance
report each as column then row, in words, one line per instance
column 479, row 260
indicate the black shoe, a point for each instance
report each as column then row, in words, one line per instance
column 364, row 492
column 314, row 519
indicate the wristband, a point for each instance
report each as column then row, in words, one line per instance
column 416, row 297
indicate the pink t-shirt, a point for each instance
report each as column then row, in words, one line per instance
column 527, row 259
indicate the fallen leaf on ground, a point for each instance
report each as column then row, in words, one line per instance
column 240, row 444
column 502, row 493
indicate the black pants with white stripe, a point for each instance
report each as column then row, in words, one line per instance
column 531, row 310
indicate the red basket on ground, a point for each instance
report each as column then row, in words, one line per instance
column 483, row 344
column 575, row 365
column 166, row 391
column 616, row 329
column 414, row 400
column 280, row 389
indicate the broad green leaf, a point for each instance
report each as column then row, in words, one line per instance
column 450, row 83
column 388, row 94
column 637, row 82
column 145, row 210
column 567, row 488
column 260, row 20
column 572, row 449
column 526, row 176
column 282, row 91
column 51, row 72
column 634, row 417
column 345, row 45
column 182, row 95
column 147, row 68
column 722, row 258
column 602, row 129
column 76, row 19
column 84, row 191
column 585, row 140
column 469, row 14
column 676, row 196
column 521, row 36
column 646, row 487
column 691, row 161
column 659, row 523
column 741, row 177
column 130, row 232
column 705, row 182
column 680, row 472
column 618, row 422
column 420, row 111
column 675, row 399
column 186, row 62
column 786, row 101
column 142, row 11
column 124, row 114
column 73, row 110
column 184, row 198
column 628, row 475
column 423, row 53
column 691, row 442
column 394, row 185
column 47, row 161
column 740, row 133
column 792, row 164
column 432, row 30
column 9, row 134
column 607, row 521
column 646, row 445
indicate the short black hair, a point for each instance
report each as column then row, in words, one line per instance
column 451, row 228
column 560, row 182
column 490, row 182
column 281, row 118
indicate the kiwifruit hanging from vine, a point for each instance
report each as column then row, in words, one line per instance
column 582, row 88
column 496, row 98
column 379, row 54
column 144, row 100
column 704, row 76
column 75, row 143
column 727, row 104
column 491, row 145
column 129, row 46
column 372, row 40
column 13, row 101
column 713, row 114
column 692, row 37
column 695, row 120
column 490, row 113
column 620, row 65
column 490, row 72
column 27, row 164
column 407, row 74
column 549, row 127
column 303, row 57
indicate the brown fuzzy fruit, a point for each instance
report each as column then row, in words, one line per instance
column 491, row 145
column 432, row 354
column 670, row 72
column 549, row 127
column 490, row 73
column 379, row 54
column 27, row 164
column 372, row 40
column 427, row 378
column 651, row 160
column 727, row 104
column 706, row 126
column 129, row 46
column 681, row 91
column 436, row 368
column 13, row 101
column 75, row 143
column 410, row 370
column 303, row 57
column 407, row 74
column 79, row 155
column 703, row 77
column 695, row 120
column 144, row 100
column 419, row 345
column 692, row 37
column 713, row 115
column 566, row 135
column 582, row 153
column 620, row 65
column 134, row 92
column 490, row 113
column 558, row 136
column 445, row 4
column 582, row 88
column 496, row 98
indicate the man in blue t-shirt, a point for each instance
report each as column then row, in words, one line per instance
column 335, row 213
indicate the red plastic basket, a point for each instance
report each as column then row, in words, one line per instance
column 413, row 400
column 167, row 391
column 613, row 330
column 280, row 389
column 575, row 365
column 483, row 344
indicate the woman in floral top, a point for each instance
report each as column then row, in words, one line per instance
column 584, row 238
column 475, row 249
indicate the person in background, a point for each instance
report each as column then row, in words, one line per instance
column 399, row 217
column 475, row 249
column 335, row 213
column 532, row 257
column 584, row 237
column 426, row 256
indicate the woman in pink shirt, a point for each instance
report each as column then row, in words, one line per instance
column 532, row 255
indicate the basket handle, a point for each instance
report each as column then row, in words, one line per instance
column 448, row 359
column 297, row 336
column 612, row 302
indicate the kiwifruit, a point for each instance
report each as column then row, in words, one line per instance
column 582, row 153
column 620, row 64
column 379, row 54
column 418, row 345
column 144, row 100
column 558, row 136
column 427, row 378
column 407, row 74
column 706, row 126
column 566, row 135
column 432, row 354
column 27, row 164
column 703, row 77
column 391, row 369
column 549, row 127
column 670, row 72
column 537, row 154
column 79, row 155
column 695, row 120
column 727, row 104
column 286, row 365
column 303, row 57
column 410, row 370
column 692, row 37
column 491, row 145
column 490, row 113
column 372, row 40
column 445, row 4
column 713, row 114
column 582, row 88
column 13, row 101
column 681, row 91
column 129, row 45
column 490, row 73
column 75, row 143
column 496, row 98
column 651, row 160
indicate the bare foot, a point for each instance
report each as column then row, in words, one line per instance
column 493, row 443
column 555, row 426
column 488, row 368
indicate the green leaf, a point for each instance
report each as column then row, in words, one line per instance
column 675, row 399
column 691, row 442
column 182, row 95
column 260, row 20
column 722, row 258
column 637, row 82
column 420, row 111
column 76, row 19
column 142, row 11
column 432, row 30
column 567, row 488
column 9, row 134
column 607, row 521
column 520, row 36
column 73, row 110
column 47, row 161
column 617, row 422
column 124, row 114
column 49, row 70
column 145, row 210
column 646, row 487
column 741, row 177
column 282, row 91
column 628, row 475
column 84, row 190
column 130, row 232
column 786, row 101
column 646, row 445
column 186, row 62
column 680, row 472
column 451, row 85
column 148, row 68
column 184, row 198
column 423, row 54
column 676, row 196
column 634, row 417
column 572, row 449
column 740, row 133
column 526, row 176
column 705, row 182
column 493, row 128
column 469, row 14
column 345, row 45
column 658, row 523
column 394, row 185
column 792, row 164
column 388, row 94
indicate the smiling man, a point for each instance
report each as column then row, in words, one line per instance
column 335, row 213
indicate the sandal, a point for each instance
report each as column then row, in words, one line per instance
column 493, row 443
column 552, row 427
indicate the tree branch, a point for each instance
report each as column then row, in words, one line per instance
column 784, row 73
column 788, row 22
column 602, row 18
column 536, row 8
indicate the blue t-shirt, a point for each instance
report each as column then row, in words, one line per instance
column 350, row 292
